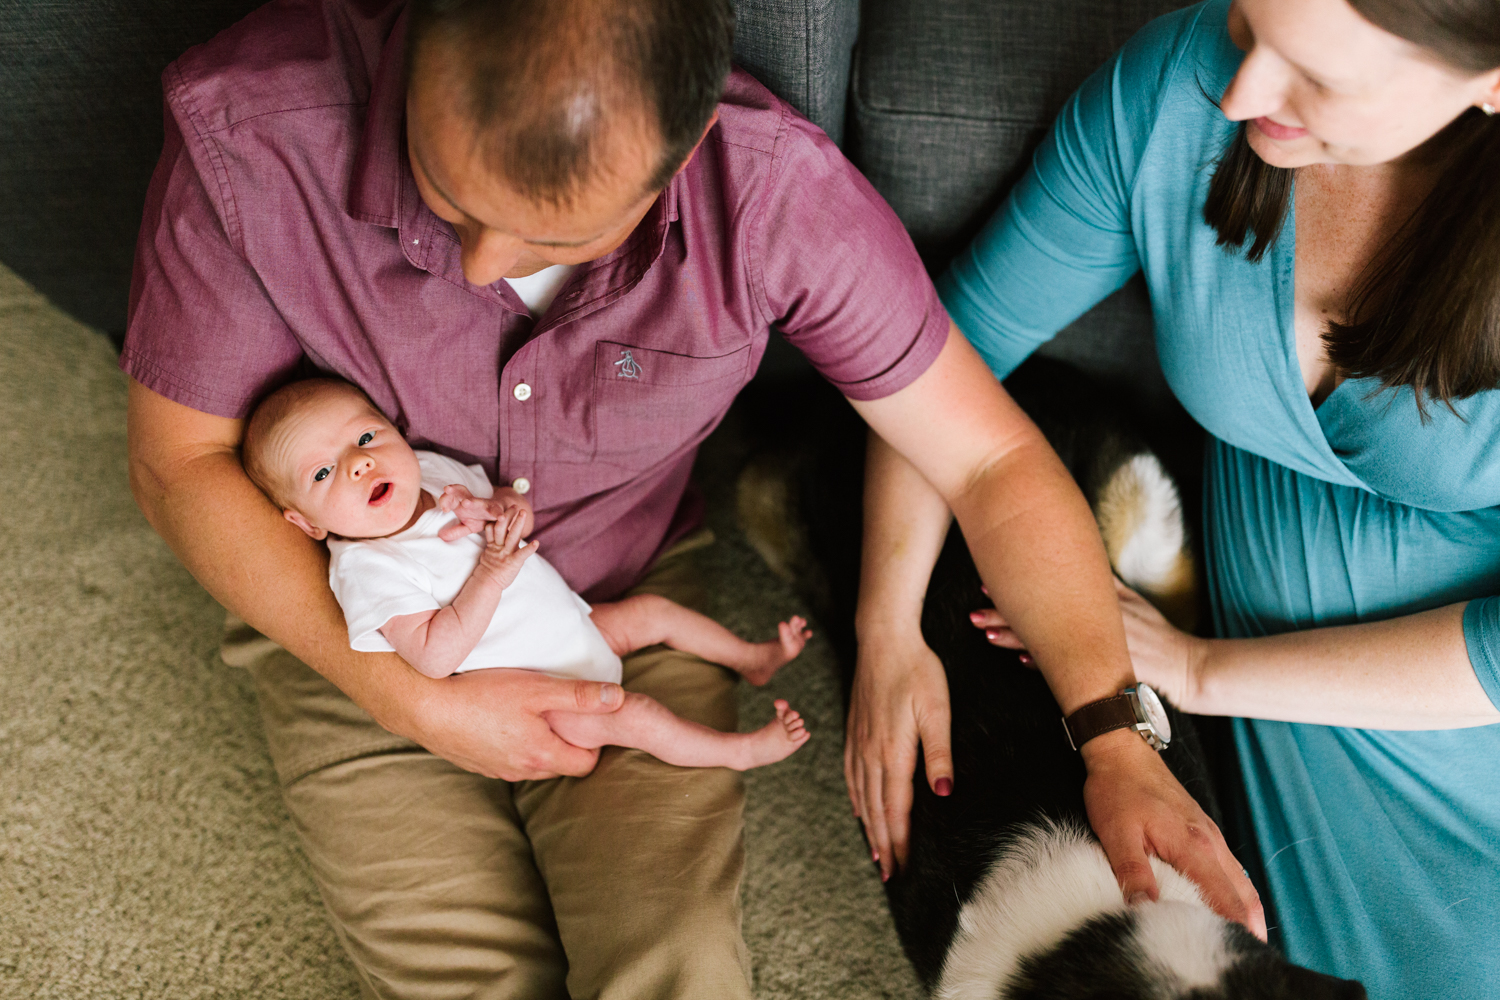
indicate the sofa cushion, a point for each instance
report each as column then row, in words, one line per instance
column 80, row 107
column 948, row 102
column 801, row 50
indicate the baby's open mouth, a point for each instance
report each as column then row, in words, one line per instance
column 380, row 492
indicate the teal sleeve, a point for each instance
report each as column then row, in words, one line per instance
column 1482, row 637
column 1064, row 237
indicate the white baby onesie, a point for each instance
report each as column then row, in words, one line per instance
column 540, row 623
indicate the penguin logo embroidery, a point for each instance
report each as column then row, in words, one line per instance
column 627, row 365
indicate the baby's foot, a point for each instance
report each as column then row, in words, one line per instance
column 770, row 657
column 774, row 741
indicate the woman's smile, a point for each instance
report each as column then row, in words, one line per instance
column 1277, row 132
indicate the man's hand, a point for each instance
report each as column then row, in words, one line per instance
column 1138, row 809
column 474, row 513
column 490, row 722
column 504, row 551
column 900, row 696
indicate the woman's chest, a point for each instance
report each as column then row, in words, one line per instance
column 1343, row 219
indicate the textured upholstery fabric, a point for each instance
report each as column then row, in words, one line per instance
column 80, row 110
column 948, row 102
column 801, row 50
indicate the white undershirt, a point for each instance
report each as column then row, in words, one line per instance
column 538, row 290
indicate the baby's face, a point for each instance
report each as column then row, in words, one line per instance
column 347, row 470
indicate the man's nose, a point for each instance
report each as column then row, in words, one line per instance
column 488, row 255
column 361, row 466
column 1258, row 89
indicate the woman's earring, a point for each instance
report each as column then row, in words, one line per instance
column 1487, row 108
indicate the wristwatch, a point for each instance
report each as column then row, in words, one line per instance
column 1137, row 707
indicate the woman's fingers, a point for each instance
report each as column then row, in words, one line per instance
column 896, row 795
column 933, row 727
column 875, row 825
column 995, row 629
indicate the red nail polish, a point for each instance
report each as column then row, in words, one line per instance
column 943, row 787
column 1026, row 659
column 975, row 617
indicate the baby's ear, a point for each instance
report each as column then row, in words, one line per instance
column 313, row 531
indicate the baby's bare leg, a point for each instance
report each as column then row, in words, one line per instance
column 647, row 724
column 647, row 619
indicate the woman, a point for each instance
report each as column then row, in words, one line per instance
column 1312, row 189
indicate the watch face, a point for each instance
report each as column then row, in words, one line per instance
column 1155, row 713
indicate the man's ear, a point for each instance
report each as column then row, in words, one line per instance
column 313, row 531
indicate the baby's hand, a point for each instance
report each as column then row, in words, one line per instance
column 504, row 551
column 474, row 513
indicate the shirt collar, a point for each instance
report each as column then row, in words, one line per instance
column 375, row 186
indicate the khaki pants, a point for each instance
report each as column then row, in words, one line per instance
column 441, row 883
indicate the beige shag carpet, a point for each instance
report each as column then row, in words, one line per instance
column 144, row 850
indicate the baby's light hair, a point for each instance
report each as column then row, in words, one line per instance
column 267, row 416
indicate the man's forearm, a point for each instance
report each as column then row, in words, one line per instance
column 246, row 555
column 1032, row 535
column 1411, row 672
column 1038, row 549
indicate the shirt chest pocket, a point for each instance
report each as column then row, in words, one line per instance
column 650, row 404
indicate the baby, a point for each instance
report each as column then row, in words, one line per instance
column 426, row 561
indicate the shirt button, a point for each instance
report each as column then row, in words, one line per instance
column 522, row 391
column 521, row 485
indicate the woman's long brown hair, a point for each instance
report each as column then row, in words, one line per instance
column 1425, row 312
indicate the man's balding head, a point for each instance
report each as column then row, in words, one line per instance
column 545, row 86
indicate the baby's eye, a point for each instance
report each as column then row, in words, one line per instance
column 322, row 473
column 366, row 438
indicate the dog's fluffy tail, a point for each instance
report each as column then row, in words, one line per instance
column 1140, row 517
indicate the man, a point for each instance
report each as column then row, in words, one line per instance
column 397, row 197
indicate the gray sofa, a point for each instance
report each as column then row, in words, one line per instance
column 939, row 103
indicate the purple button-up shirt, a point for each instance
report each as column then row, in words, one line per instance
column 283, row 234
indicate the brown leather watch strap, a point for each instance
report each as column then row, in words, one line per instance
column 1098, row 718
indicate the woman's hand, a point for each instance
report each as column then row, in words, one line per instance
column 1164, row 656
column 900, row 698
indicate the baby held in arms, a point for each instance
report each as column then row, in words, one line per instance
column 426, row 561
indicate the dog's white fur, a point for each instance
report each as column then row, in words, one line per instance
column 1150, row 556
column 1051, row 881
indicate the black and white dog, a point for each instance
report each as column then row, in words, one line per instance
column 1006, row 895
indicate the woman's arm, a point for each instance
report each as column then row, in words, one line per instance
column 1036, row 546
column 1411, row 672
column 186, row 475
column 900, row 693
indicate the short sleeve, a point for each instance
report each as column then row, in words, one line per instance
column 839, row 274
column 1482, row 637
column 1063, row 239
column 201, row 329
column 372, row 586
column 440, row 472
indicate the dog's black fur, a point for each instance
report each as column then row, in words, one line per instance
column 1012, row 762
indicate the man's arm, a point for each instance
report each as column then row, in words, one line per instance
column 186, row 475
column 1037, row 548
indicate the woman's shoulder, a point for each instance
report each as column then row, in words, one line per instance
column 1179, row 63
